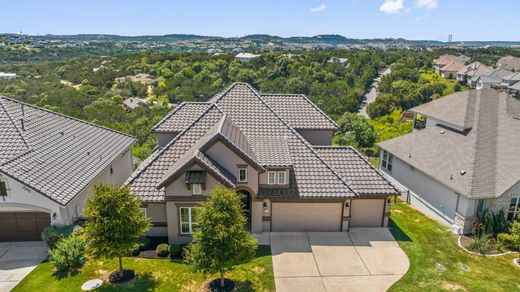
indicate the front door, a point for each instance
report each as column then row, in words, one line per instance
column 245, row 199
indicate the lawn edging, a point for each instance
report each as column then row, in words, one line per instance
column 478, row 254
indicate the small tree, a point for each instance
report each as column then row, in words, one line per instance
column 515, row 234
column 114, row 223
column 220, row 241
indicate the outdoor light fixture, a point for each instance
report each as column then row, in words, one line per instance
column 54, row 216
column 346, row 205
column 265, row 207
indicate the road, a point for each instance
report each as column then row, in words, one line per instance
column 372, row 94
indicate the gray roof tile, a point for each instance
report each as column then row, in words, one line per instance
column 60, row 155
column 181, row 117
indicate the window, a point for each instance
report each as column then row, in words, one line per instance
column 242, row 174
column 143, row 210
column 271, row 177
column 3, row 189
column 187, row 219
column 387, row 161
column 196, row 189
column 513, row 209
column 281, row 177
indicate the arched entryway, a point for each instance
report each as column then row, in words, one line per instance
column 245, row 199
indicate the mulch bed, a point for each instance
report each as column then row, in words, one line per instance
column 115, row 277
column 465, row 241
column 214, row 286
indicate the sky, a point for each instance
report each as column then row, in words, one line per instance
column 411, row 19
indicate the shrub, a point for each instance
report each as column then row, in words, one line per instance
column 53, row 234
column 144, row 244
column 162, row 250
column 176, row 250
column 506, row 240
column 480, row 244
column 68, row 254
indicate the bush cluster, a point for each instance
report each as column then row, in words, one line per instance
column 68, row 253
column 53, row 234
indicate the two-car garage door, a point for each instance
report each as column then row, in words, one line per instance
column 306, row 216
column 293, row 216
column 23, row 226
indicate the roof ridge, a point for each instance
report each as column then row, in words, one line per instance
column 305, row 142
column 174, row 110
column 158, row 154
column 66, row 116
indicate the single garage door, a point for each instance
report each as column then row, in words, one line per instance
column 367, row 213
column 23, row 226
column 306, row 216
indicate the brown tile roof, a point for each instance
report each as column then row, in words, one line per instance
column 446, row 59
column 482, row 162
column 247, row 121
column 181, row 117
column 454, row 66
column 56, row 155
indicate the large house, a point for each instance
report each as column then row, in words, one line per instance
column 493, row 79
column 49, row 163
column 274, row 150
column 509, row 62
column 451, row 64
column 470, row 73
column 246, row 57
column 466, row 159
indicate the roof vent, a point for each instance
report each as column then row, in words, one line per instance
column 410, row 155
column 462, row 172
column 88, row 153
column 451, row 176
column 22, row 123
column 442, row 131
column 62, row 133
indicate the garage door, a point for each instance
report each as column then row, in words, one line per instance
column 306, row 216
column 23, row 226
column 367, row 213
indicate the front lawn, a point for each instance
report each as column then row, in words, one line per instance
column 152, row 274
column 429, row 245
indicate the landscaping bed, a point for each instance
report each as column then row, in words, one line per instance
column 438, row 263
column 494, row 249
column 153, row 274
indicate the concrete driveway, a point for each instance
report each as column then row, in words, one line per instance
column 364, row 259
column 17, row 259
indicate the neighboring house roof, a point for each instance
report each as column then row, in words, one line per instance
column 512, row 77
column 509, row 63
column 495, row 76
column 455, row 108
column 251, row 122
column 446, row 59
column 480, row 163
column 181, row 117
column 247, row 55
column 133, row 103
column 453, row 66
column 308, row 115
column 475, row 69
column 56, row 155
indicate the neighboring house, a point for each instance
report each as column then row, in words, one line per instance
column 469, row 74
column 142, row 78
column 492, row 80
column 510, row 80
column 7, row 76
column 466, row 159
column 246, row 57
column 514, row 89
column 274, row 150
column 132, row 103
column 451, row 69
column 99, row 69
column 49, row 163
column 342, row 61
column 509, row 63
column 447, row 59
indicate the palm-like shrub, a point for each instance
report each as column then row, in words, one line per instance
column 480, row 244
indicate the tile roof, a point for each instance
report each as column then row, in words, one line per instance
column 56, row 155
column 475, row 69
column 181, row 117
column 246, row 120
column 446, row 59
column 480, row 163
column 362, row 177
column 453, row 66
column 308, row 115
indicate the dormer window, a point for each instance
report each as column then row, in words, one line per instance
column 242, row 175
column 281, row 177
column 277, row 177
column 271, row 177
column 196, row 189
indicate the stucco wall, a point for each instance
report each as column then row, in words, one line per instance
column 179, row 187
column 157, row 214
column 317, row 137
column 22, row 198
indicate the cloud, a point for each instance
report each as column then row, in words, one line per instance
column 393, row 6
column 426, row 4
column 319, row 8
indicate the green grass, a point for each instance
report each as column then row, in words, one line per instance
column 428, row 243
column 152, row 274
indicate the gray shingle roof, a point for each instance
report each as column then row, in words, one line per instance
column 181, row 117
column 53, row 154
column 356, row 170
column 455, row 108
column 307, row 115
column 489, row 152
column 245, row 119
